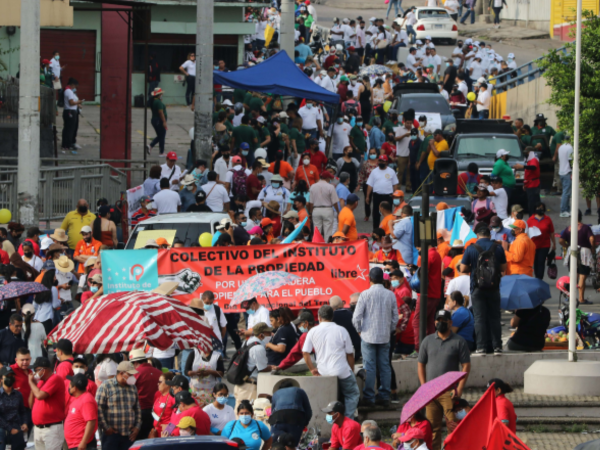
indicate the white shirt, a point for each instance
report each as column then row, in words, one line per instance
column 221, row 167
column 477, row 71
column 461, row 284
column 163, row 354
column 166, row 173
column 218, row 195
column 403, row 36
column 382, row 181
column 457, row 60
column 328, row 83
column 340, row 137
column 64, row 278
column 237, row 120
column 361, row 37
column 229, row 176
column 512, row 65
column 432, row 3
column 331, row 344
column 190, row 67
column 452, row 6
column 436, row 61
column 211, row 316
column 55, row 66
column 337, row 29
column 349, row 33
column 484, row 97
column 257, row 357
column 501, row 202
column 411, row 19
column 281, row 195
column 261, row 315
column 219, row 417
column 565, row 154
column 445, row 94
column 462, row 87
column 45, row 311
column 402, row 145
column 37, row 336
column 309, row 117
column 35, row 262
column 411, row 60
column 167, row 201
column 70, row 95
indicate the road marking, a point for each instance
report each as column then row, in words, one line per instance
column 141, row 133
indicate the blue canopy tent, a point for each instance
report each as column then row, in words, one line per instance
column 277, row 75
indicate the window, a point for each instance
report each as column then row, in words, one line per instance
column 426, row 103
column 433, row 14
column 486, row 147
column 171, row 56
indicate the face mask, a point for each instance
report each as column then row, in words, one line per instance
column 245, row 152
column 329, row 419
column 519, row 215
column 396, row 201
column 442, row 327
column 74, row 90
column 460, row 45
column 407, row 446
column 372, row 156
column 309, row 105
column 395, row 283
column 37, row 376
column 360, row 124
column 266, row 340
column 244, row 225
column 340, row 120
column 336, row 65
column 303, row 329
column 216, row 67
column 460, row 415
column 513, row 233
column 539, row 212
column 353, row 83
column 275, row 185
column 421, row 124
column 78, row 370
column 28, row 254
column 245, row 419
column 186, row 432
column 209, row 307
column 306, row 238
column 171, row 392
column 250, row 311
column 131, row 380
column 93, row 289
column 57, row 57
column 413, row 138
column 190, row 187
column 9, row 381
column 382, row 166
column 496, row 229
column 306, row 162
column 82, row 209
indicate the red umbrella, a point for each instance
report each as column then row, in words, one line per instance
column 428, row 392
column 125, row 320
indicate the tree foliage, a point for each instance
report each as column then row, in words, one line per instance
column 559, row 71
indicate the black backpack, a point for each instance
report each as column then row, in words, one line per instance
column 487, row 275
column 237, row 372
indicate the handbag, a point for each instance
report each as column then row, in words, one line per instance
column 382, row 44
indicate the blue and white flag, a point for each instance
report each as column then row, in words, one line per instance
column 461, row 230
column 445, row 218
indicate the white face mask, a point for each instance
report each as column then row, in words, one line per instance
column 78, row 370
column 185, row 433
column 306, row 162
column 421, row 124
column 131, row 380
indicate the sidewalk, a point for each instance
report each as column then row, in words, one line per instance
column 487, row 32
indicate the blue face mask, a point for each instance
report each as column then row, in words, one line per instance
column 57, row 57
column 222, row 400
column 245, row 152
column 309, row 105
column 340, row 120
column 372, row 156
column 460, row 415
column 244, row 224
column 395, row 283
column 94, row 289
column 216, row 67
column 413, row 138
column 245, row 419
column 303, row 329
column 396, row 201
column 208, row 307
column 329, row 419
column 250, row 312
column 275, row 185
column 360, row 124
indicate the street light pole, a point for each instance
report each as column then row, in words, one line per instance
column 203, row 97
column 29, row 114
column 573, row 291
column 287, row 29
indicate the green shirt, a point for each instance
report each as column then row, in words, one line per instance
column 297, row 136
column 547, row 131
column 388, row 127
column 158, row 105
column 504, row 171
column 229, row 126
column 526, row 140
column 423, row 147
column 358, row 137
column 284, row 128
column 244, row 133
column 308, row 21
column 557, row 139
column 215, row 115
column 256, row 104
column 239, row 95
column 247, row 98
column 261, row 134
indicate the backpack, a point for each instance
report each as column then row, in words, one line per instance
column 237, row 372
column 238, row 183
column 487, row 275
column 472, row 182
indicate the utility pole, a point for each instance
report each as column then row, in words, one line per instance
column 287, row 27
column 205, row 12
column 424, row 276
column 29, row 114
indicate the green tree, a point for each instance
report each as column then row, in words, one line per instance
column 559, row 71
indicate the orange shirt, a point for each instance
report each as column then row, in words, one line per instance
column 457, row 259
column 302, row 214
column 386, row 224
column 469, row 242
column 399, row 207
column 443, row 249
column 520, row 256
column 311, row 176
column 284, row 169
column 346, row 217
column 83, row 248
column 394, row 255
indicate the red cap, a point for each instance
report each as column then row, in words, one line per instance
column 172, row 155
column 236, row 159
column 266, row 222
column 326, row 175
column 45, row 61
column 351, row 48
column 383, row 158
column 413, row 433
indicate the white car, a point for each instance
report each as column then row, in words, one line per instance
column 434, row 22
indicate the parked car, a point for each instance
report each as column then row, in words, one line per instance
column 189, row 226
column 186, row 443
column 434, row 22
column 425, row 99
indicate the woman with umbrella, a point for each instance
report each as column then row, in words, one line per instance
column 47, row 302
column 418, row 421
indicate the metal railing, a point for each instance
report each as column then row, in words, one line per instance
column 9, row 104
column 521, row 75
column 61, row 187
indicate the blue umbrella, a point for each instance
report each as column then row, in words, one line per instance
column 522, row 292
column 19, row 289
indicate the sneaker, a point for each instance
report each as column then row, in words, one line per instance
column 162, row 155
column 382, row 402
column 73, row 152
column 497, row 351
column 394, row 398
column 480, row 352
column 413, row 355
column 148, row 148
column 565, row 214
column 77, row 146
column 588, row 212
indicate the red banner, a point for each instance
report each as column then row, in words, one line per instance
column 324, row 270
column 501, row 438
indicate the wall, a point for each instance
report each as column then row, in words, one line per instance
column 534, row 13
column 563, row 12
column 52, row 12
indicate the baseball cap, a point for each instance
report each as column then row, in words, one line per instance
column 236, row 160
column 304, row 316
column 398, row 193
column 184, row 397
column 87, row 228
column 151, row 243
column 171, row 155
column 383, row 158
column 495, row 178
column 260, row 328
column 326, row 175
column 413, row 433
column 179, row 381
column 339, row 234
column 500, row 153
column 352, row 198
column 516, row 208
column 6, row 370
column 519, row 224
column 443, row 314
column 186, row 422
column 47, row 242
column 290, row 214
column 265, row 222
column 511, row 55
column 244, row 146
column 335, row 406
column 260, row 119
column 126, row 366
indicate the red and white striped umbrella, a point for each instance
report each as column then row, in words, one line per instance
column 123, row 321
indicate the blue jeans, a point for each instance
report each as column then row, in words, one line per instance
column 161, row 133
column 397, row 5
column 116, row 442
column 280, row 428
column 411, row 31
column 16, row 441
column 351, row 394
column 393, row 50
column 167, row 362
column 376, row 359
column 565, row 199
column 472, row 13
column 183, row 356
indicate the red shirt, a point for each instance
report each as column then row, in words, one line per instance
column 85, row 297
column 91, row 388
column 546, row 227
column 4, row 258
column 463, row 179
column 163, row 408
column 36, row 247
column 295, row 354
column 81, row 410
column 201, row 418
column 52, row 408
column 147, row 384
column 342, row 90
column 390, row 150
column 382, row 445
column 506, row 411
column 425, row 426
column 532, row 176
column 253, row 182
column 348, row 436
column 22, row 383
column 64, row 369
column 140, row 216
column 319, row 160
column 408, row 335
column 434, row 274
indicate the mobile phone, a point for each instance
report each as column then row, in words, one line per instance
column 170, row 428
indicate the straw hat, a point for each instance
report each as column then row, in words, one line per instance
column 64, row 264
column 273, row 206
column 59, row 235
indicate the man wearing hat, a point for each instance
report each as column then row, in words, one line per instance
column 158, row 121
column 274, row 195
column 187, row 415
column 72, row 224
column 147, row 386
column 119, row 414
column 345, row 432
column 48, row 411
column 500, row 233
column 483, row 206
column 375, row 318
column 504, row 171
column 143, row 213
column 521, row 254
column 66, row 279
column 12, row 411
column 188, row 193
column 440, row 353
column 325, row 200
column 171, row 171
column 414, row 439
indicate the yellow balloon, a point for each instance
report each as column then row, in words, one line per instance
column 387, row 105
column 205, row 239
column 5, row 215
column 471, row 96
